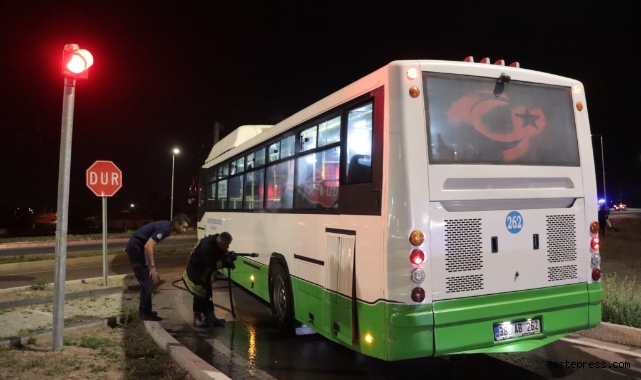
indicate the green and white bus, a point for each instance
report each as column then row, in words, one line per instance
column 429, row 208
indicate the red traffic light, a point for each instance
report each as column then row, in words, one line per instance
column 76, row 62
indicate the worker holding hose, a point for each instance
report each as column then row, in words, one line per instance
column 210, row 254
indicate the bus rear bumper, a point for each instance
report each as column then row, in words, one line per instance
column 466, row 325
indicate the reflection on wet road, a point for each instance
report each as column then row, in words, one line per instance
column 252, row 347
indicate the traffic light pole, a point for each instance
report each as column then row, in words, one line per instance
column 62, row 213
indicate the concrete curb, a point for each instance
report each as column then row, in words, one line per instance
column 197, row 368
column 17, row 341
column 609, row 332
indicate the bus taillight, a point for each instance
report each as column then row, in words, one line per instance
column 418, row 294
column 417, row 257
column 417, row 238
column 596, row 276
column 594, row 243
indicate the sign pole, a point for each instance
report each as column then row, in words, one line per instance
column 104, row 179
column 104, row 242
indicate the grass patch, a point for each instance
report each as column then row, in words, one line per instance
column 63, row 366
column 34, row 362
column 8, row 357
column 93, row 342
column 33, row 330
column 621, row 301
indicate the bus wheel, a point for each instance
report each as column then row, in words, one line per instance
column 281, row 297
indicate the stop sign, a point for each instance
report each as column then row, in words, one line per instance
column 104, row 178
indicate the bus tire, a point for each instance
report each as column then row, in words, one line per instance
column 281, row 299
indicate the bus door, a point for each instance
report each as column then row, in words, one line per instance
column 339, row 284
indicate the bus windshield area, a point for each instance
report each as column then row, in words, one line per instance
column 478, row 120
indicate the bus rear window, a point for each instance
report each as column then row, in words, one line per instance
column 476, row 120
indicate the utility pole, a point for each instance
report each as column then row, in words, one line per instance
column 217, row 128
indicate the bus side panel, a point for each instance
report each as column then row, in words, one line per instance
column 245, row 270
column 468, row 323
column 595, row 291
column 411, row 331
column 309, row 305
column 311, row 310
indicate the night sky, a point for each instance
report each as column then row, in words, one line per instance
column 164, row 73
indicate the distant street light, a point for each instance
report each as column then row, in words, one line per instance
column 173, row 159
column 605, row 197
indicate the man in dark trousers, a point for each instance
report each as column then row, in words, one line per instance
column 602, row 219
column 140, row 251
column 209, row 255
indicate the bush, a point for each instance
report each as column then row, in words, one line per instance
column 41, row 284
column 621, row 301
column 129, row 315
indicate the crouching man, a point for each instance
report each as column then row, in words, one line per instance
column 209, row 255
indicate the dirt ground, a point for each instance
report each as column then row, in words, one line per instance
column 621, row 250
column 124, row 352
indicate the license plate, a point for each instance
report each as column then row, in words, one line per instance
column 510, row 330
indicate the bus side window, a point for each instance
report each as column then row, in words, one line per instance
column 221, row 200
column 235, row 192
column 254, row 189
column 210, row 196
column 280, row 185
column 359, row 145
column 317, row 180
column 308, row 139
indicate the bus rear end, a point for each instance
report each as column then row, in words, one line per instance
column 506, row 207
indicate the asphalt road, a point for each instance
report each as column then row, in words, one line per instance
column 120, row 265
column 96, row 246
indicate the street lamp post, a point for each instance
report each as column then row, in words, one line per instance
column 173, row 159
column 605, row 197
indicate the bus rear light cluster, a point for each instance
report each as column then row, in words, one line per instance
column 594, row 243
column 417, row 238
column 417, row 257
column 418, row 294
column 596, row 275
column 417, row 275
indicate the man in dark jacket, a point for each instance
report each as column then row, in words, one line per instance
column 602, row 219
column 140, row 251
column 209, row 255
